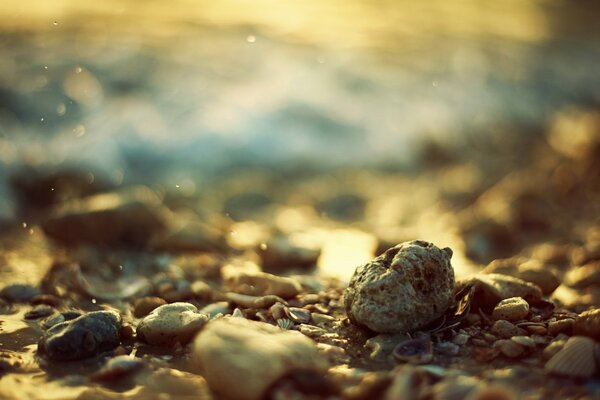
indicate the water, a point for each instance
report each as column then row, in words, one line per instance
column 150, row 91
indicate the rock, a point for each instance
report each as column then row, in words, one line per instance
column 584, row 276
column 145, row 305
column 82, row 337
column 39, row 311
column 490, row 289
column 531, row 271
column 192, row 237
column 254, row 283
column 170, row 324
column 509, row 348
column 381, row 346
column 506, row 329
column 129, row 218
column 241, row 359
column 588, row 324
column 512, row 309
column 403, row 289
column 280, row 254
column 214, row 309
column 19, row 293
column 117, row 368
column 561, row 326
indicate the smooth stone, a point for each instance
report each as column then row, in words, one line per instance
column 402, row 290
column 145, row 305
column 241, row 359
column 82, row 337
column 171, row 323
column 255, row 283
column 19, row 293
column 132, row 217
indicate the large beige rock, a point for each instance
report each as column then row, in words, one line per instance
column 241, row 359
column 402, row 290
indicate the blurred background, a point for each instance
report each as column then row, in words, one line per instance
column 391, row 119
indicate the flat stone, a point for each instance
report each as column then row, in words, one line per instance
column 82, row 337
column 18, row 293
column 171, row 323
column 241, row 359
column 403, row 289
column 255, row 283
column 506, row 329
column 119, row 218
column 588, row 324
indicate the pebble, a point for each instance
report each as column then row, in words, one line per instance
column 506, row 329
column 493, row 288
column 381, row 346
column 247, row 301
column 82, row 337
column 117, row 368
column 402, row 290
column 171, row 323
column 461, row 339
column 131, row 217
column 255, row 283
column 280, row 255
column 213, row 309
column 531, row 271
column 509, row 348
column 143, row 306
column 39, row 311
column 512, row 309
column 588, row 324
column 584, row 276
column 561, row 326
column 19, row 293
column 241, row 359
column 47, row 299
column 447, row 348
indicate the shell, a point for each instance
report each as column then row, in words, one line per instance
column 278, row 311
column 299, row 315
column 414, row 351
column 576, row 359
column 237, row 313
column 285, row 323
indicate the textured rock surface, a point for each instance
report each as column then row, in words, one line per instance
column 171, row 323
column 511, row 309
column 493, row 288
column 403, row 289
column 588, row 324
column 241, row 359
column 82, row 337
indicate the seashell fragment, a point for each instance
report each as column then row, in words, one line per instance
column 414, row 351
column 299, row 315
column 285, row 323
column 575, row 360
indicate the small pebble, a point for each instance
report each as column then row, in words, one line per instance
column 39, row 311
column 145, row 305
column 19, row 293
column 506, row 329
column 117, row 368
column 171, row 323
column 561, row 326
column 460, row 339
column 511, row 309
column 509, row 348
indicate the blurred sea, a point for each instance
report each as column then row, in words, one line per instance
column 146, row 91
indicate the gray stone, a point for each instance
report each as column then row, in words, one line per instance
column 82, row 337
column 402, row 290
column 241, row 359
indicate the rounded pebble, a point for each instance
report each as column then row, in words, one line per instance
column 145, row 305
column 171, row 323
column 511, row 309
